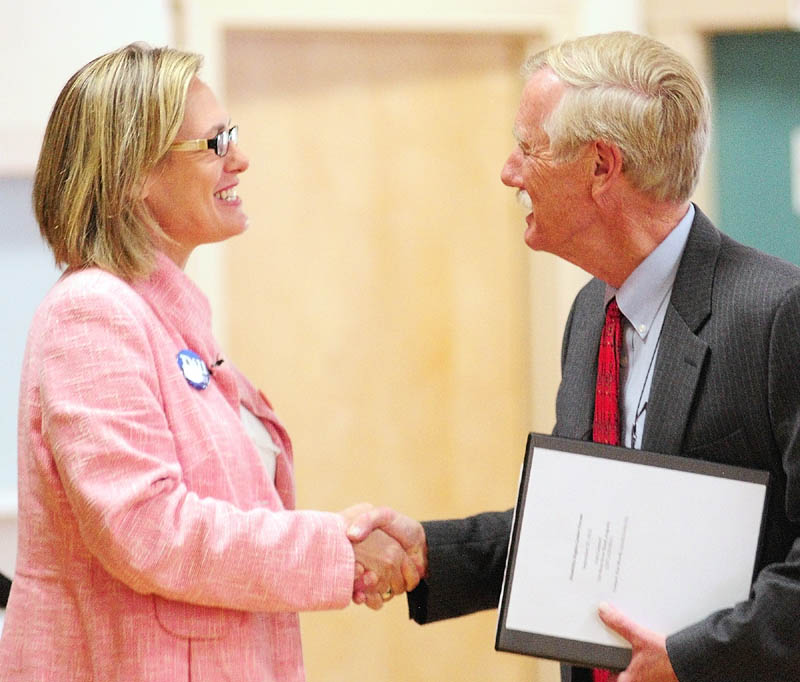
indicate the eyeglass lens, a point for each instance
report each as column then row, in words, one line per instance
column 225, row 138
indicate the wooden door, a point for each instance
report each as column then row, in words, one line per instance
column 380, row 298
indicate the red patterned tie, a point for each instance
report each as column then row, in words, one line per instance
column 599, row 675
column 606, row 398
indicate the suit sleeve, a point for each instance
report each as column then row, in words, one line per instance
column 466, row 557
column 466, row 561
column 760, row 639
column 566, row 335
column 104, row 424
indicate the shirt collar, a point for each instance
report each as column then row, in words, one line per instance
column 644, row 291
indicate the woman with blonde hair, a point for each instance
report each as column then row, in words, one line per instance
column 158, row 537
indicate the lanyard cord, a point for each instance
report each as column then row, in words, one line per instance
column 640, row 409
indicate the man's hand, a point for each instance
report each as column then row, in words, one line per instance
column 390, row 553
column 649, row 662
column 406, row 531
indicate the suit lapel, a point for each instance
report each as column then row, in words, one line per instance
column 681, row 352
column 575, row 403
column 680, row 361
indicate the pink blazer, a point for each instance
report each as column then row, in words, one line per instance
column 152, row 544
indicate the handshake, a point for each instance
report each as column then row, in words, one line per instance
column 390, row 550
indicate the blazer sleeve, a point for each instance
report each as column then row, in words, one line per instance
column 759, row 639
column 104, row 425
column 466, row 561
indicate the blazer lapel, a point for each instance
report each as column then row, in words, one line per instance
column 681, row 352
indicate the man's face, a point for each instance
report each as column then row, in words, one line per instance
column 559, row 192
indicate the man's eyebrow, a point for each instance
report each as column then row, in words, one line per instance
column 523, row 143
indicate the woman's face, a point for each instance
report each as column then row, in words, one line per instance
column 192, row 194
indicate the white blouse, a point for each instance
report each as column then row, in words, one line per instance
column 261, row 439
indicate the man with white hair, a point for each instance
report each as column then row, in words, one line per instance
column 611, row 132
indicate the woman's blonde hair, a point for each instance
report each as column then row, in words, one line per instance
column 637, row 93
column 113, row 121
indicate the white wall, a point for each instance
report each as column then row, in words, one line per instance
column 42, row 43
column 26, row 272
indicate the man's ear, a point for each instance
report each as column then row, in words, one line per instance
column 607, row 166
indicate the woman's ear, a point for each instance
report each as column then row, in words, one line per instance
column 146, row 186
column 148, row 183
column 607, row 165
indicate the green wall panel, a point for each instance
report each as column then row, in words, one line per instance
column 757, row 105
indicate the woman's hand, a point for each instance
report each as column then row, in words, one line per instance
column 390, row 553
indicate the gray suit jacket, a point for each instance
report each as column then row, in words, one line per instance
column 726, row 388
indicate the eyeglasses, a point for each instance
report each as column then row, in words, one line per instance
column 219, row 143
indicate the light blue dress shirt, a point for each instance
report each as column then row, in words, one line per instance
column 643, row 299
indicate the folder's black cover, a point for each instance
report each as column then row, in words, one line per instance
column 591, row 654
